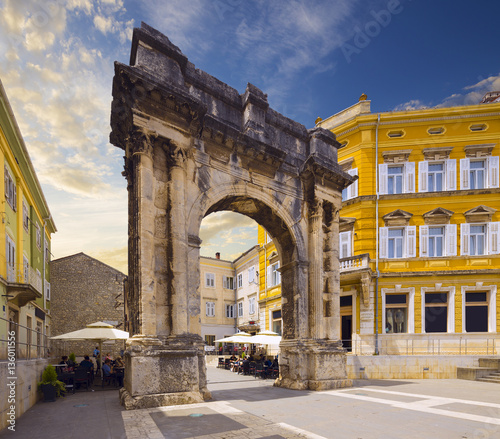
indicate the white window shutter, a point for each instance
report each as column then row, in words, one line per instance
column 493, row 171
column 464, row 238
column 423, row 168
column 384, row 242
column 269, row 279
column 494, row 238
column 207, row 308
column 224, row 282
column 451, row 175
column 352, row 190
column 411, row 241
column 382, row 179
column 464, row 174
column 345, row 242
column 409, row 170
column 450, row 239
column 424, row 241
column 278, row 274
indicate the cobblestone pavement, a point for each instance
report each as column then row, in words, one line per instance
column 247, row 408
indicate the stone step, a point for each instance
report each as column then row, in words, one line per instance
column 489, row 380
column 493, row 363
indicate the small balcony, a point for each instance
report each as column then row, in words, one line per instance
column 23, row 285
column 353, row 263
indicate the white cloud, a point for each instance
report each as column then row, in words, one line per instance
column 413, row 104
column 103, row 24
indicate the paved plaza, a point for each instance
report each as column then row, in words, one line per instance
column 244, row 407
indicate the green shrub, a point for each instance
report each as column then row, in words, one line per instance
column 72, row 357
column 49, row 376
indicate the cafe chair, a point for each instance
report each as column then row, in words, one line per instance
column 82, row 377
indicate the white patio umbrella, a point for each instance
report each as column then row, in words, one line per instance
column 97, row 332
column 266, row 337
column 238, row 338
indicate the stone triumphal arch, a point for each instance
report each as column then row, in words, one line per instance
column 194, row 145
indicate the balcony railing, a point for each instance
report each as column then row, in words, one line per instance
column 355, row 262
column 17, row 274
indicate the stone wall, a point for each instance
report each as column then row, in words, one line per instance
column 28, row 373
column 84, row 290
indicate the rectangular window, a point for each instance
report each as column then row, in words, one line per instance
column 477, row 174
column 210, row 309
column 10, row 189
column 240, row 280
column 10, row 256
column 436, row 241
column 47, row 290
column 435, row 177
column 436, row 312
column 29, row 326
column 345, row 244
column 395, row 177
column 395, row 243
column 277, row 322
column 228, row 282
column 351, row 191
column 396, row 313
column 210, row 280
column 476, row 312
column 275, row 274
column 251, row 308
column 26, row 217
column 26, row 270
column 230, row 311
column 251, row 275
column 477, row 239
column 38, row 236
column 240, row 309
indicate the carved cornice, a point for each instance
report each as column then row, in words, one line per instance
column 322, row 169
column 397, row 218
column 479, row 214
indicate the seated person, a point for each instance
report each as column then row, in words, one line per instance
column 119, row 362
column 87, row 364
column 267, row 362
column 107, row 369
column 275, row 362
column 246, row 366
column 233, row 358
column 64, row 360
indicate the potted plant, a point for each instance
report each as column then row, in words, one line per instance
column 50, row 386
column 72, row 359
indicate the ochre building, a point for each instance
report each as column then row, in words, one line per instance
column 419, row 230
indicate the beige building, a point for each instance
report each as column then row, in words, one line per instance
column 218, row 298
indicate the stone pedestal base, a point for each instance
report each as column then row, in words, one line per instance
column 164, row 372
column 312, row 365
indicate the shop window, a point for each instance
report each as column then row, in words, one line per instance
column 476, row 312
column 396, row 313
column 436, row 312
column 210, row 340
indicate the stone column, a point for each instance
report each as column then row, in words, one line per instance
column 140, row 150
column 316, row 270
column 178, row 256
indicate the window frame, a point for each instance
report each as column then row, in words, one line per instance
column 210, row 280
column 230, row 311
column 491, row 293
column 240, row 309
column 409, row 242
column 210, row 308
column 240, row 280
column 251, row 306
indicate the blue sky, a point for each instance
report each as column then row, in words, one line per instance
column 312, row 58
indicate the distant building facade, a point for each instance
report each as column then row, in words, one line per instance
column 229, row 295
column 84, row 291
column 26, row 228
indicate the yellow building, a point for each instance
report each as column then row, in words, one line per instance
column 25, row 231
column 269, row 283
column 420, row 229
